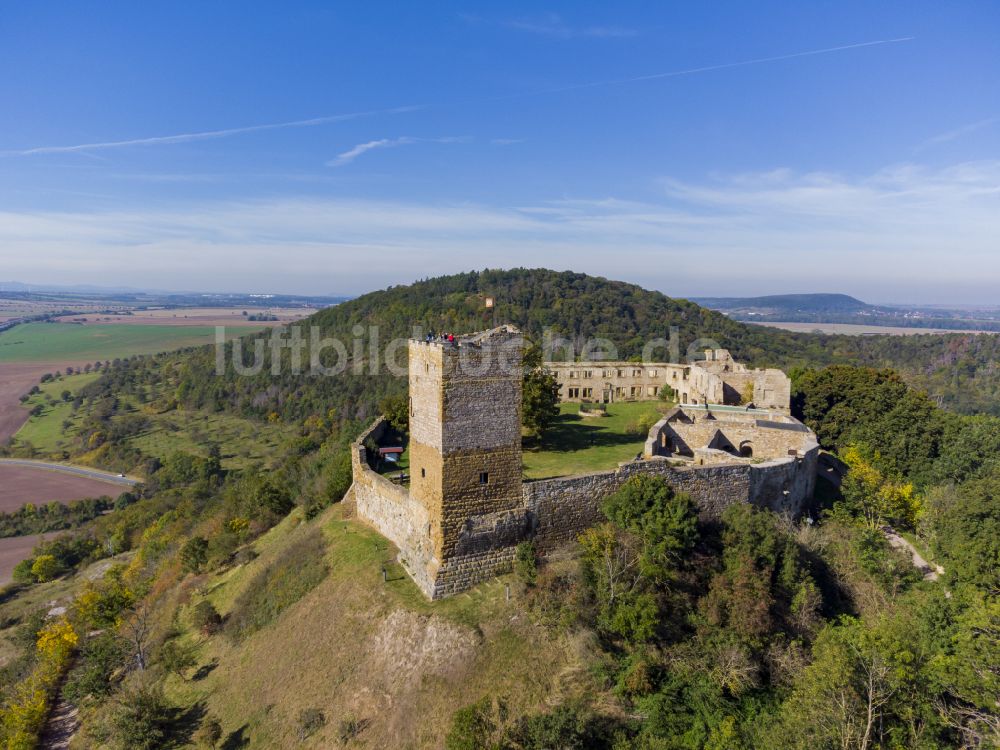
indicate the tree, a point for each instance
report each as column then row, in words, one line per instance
column 178, row 656
column 137, row 628
column 140, row 719
column 665, row 521
column 45, row 568
column 873, row 498
column 539, row 395
column 612, row 563
column 841, row 698
column 339, row 476
column 194, row 554
column 396, row 410
column 209, row 732
column 963, row 524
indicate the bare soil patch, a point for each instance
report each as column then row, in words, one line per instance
column 29, row 484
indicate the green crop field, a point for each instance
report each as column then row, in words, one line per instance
column 68, row 342
column 578, row 445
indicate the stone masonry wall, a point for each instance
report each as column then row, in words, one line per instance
column 393, row 512
column 554, row 511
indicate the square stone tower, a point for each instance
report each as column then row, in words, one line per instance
column 465, row 435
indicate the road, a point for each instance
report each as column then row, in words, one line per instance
column 82, row 471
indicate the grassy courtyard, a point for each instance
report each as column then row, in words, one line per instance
column 577, row 445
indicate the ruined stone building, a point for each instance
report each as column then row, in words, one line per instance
column 716, row 379
column 467, row 506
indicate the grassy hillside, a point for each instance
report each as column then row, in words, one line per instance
column 366, row 651
column 50, row 430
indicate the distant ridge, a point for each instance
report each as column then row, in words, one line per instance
column 799, row 303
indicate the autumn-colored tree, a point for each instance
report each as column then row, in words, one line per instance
column 874, row 498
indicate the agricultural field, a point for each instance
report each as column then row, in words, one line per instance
column 20, row 485
column 195, row 316
column 16, row 379
column 242, row 441
column 66, row 342
column 575, row 444
column 856, row 329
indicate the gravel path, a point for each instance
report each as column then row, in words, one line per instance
column 931, row 572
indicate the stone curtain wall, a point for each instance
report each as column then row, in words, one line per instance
column 393, row 512
column 560, row 509
column 554, row 511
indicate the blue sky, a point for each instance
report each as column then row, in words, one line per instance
column 696, row 148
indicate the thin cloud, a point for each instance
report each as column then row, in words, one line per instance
column 88, row 148
column 721, row 66
column 203, row 135
column 957, row 133
column 551, row 24
column 505, row 141
column 363, row 148
column 896, row 223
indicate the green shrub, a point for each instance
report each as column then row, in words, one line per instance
column 206, row 618
column 194, row 554
column 299, row 568
column 526, row 563
column 310, row 721
column 140, row 720
column 209, row 733
column 100, row 657
column 177, row 656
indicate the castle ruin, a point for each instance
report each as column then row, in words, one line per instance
column 468, row 507
column 716, row 379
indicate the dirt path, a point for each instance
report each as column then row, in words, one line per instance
column 61, row 726
column 931, row 572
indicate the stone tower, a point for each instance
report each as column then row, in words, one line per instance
column 465, row 443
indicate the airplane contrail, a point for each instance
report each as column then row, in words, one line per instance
column 225, row 133
column 721, row 66
column 205, row 134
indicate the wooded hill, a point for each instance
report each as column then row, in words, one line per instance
column 958, row 370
